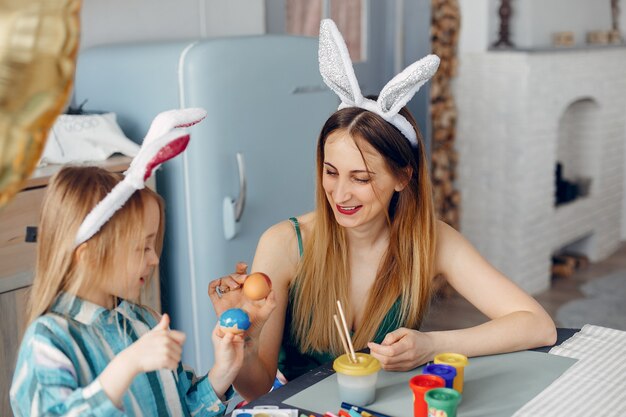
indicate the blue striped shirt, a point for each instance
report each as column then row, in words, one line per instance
column 65, row 350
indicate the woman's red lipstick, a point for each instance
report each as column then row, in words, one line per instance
column 348, row 211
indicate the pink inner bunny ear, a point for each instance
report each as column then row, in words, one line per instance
column 183, row 125
column 167, row 152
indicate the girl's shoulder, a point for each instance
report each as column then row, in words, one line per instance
column 51, row 328
column 140, row 312
column 52, row 321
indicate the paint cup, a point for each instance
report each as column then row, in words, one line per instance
column 459, row 362
column 420, row 384
column 447, row 372
column 357, row 381
column 442, row 402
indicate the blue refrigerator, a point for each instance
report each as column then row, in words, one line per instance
column 250, row 164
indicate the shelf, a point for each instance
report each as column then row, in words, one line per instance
column 551, row 49
column 41, row 175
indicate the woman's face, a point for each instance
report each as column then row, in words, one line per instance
column 358, row 194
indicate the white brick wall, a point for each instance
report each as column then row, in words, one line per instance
column 518, row 111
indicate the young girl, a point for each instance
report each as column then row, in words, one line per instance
column 90, row 348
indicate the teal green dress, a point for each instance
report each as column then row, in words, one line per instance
column 292, row 362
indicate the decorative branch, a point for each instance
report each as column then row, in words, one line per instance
column 445, row 29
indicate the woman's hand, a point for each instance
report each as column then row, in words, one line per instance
column 228, row 359
column 225, row 292
column 402, row 350
column 259, row 311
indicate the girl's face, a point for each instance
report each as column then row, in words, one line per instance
column 357, row 195
column 132, row 275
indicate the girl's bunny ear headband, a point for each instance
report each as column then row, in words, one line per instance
column 338, row 74
column 165, row 139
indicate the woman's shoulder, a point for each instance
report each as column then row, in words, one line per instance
column 284, row 233
column 278, row 250
column 445, row 231
column 446, row 237
column 451, row 245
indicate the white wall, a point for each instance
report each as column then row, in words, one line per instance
column 531, row 26
column 117, row 21
column 475, row 30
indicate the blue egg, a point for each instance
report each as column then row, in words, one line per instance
column 235, row 317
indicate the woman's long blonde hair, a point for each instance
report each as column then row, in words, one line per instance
column 70, row 196
column 406, row 270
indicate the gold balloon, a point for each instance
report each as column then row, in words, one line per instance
column 38, row 48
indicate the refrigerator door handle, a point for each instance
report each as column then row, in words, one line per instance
column 233, row 209
column 240, row 203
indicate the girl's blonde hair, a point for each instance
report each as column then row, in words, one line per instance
column 406, row 270
column 70, row 196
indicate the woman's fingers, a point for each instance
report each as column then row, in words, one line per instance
column 382, row 351
column 221, row 286
column 260, row 310
column 401, row 350
column 213, row 292
column 269, row 305
column 241, row 268
column 232, row 282
column 393, row 337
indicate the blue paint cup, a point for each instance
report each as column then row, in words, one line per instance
column 446, row 372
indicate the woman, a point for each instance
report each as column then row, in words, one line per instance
column 373, row 243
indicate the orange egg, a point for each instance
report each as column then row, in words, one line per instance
column 257, row 286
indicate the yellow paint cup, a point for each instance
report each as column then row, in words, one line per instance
column 459, row 362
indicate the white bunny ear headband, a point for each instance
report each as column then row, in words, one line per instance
column 165, row 139
column 338, row 74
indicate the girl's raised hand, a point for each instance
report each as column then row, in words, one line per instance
column 160, row 348
column 228, row 359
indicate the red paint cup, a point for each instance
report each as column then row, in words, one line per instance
column 420, row 384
